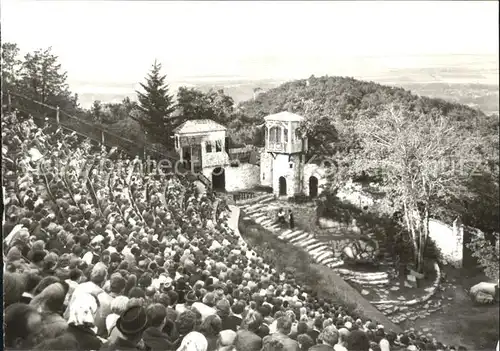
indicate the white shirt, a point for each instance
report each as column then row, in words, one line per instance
column 384, row 345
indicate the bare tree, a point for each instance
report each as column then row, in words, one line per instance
column 422, row 160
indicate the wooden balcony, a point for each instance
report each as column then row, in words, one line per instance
column 289, row 148
column 277, row 147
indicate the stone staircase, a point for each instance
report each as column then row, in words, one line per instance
column 262, row 209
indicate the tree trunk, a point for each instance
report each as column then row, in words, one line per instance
column 423, row 238
column 411, row 229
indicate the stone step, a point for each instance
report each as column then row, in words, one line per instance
column 367, row 282
column 267, row 222
column 259, row 204
column 291, row 235
column 307, row 242
column 328, row 261
column 254, row 212
column 320, row 253
column 315, row 245
column 318, row 250
column 259, row 207
column 255, row 209
column 336, row 264
column 259, row 220
column 345, row 271
column 363, row 277
column 257, row 215
column 271, row 229
column 363, row 280
column 286, row 232
column 324, row 255
column 274, row 227
column 298, row 238
column 258, row 199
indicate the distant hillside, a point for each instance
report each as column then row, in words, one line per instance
column 345, row 98
column 482, row 96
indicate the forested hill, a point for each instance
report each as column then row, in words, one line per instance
column 344, row 98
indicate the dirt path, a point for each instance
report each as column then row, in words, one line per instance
column 461, row 322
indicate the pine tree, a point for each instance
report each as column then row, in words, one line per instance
column 156, row 106
column 96, row 111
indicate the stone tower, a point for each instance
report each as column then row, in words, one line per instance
column 282, row 161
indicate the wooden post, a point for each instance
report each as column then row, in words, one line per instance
column 102, row 137
column 9, row 102
column 57, row 115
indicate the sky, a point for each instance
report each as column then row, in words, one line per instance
column 117, row 41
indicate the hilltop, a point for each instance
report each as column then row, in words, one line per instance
column 343, row 99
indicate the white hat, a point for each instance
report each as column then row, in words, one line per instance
column 87, row 258
column 97, row 239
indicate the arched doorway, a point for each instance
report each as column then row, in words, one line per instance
column 313, row 187
column 282, row 183
column 219, row 179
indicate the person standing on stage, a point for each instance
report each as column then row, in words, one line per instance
column 291, row 220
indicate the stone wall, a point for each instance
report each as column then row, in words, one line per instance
column 449, row 240
column 313, row 170
column 266, row 169
column 214, row 159
column 245, row 176
column 281, row 168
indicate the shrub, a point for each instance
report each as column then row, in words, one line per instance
column 486, row 250
column 300, row 199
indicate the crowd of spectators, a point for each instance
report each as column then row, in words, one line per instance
column 99, row 255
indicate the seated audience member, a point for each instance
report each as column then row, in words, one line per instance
column 283, row 328
column 193, row 341
column 50, row 304
column 14, row 287
column 210, row 328
column 226, row 340
column 131, row 326
column 63, row 342
column 118, row 306
column 327, row 339
column 233, row 321
column 246, row 337
column 81, row 322
column 358, row 340
column 305, row 342
column 22, row 327
column 153, row 336
column 342, row 343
